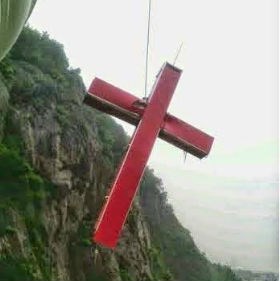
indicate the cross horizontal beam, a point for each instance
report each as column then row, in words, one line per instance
column 127, row 107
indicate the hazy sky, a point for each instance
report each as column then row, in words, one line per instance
column 229, row 200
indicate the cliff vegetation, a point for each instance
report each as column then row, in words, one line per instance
column 57, row 159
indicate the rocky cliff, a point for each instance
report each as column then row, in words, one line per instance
column 57, row 159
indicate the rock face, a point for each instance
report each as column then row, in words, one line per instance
column 71, row 156
column 57, row 160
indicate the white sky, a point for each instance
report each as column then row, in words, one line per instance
column 229, row 88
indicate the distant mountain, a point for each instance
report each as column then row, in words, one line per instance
column 247, row 275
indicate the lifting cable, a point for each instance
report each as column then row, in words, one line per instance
column 147, row 47
column 147, row 57
column 178, row 52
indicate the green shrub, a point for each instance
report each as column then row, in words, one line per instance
column 14, row 268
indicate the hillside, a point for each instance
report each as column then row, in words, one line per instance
column 57, row 159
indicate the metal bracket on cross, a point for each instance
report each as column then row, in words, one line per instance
column 151, row 120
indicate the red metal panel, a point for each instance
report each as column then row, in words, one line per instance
column 126, row 183
column 185, row 136
column 125, row 106
column 114, row 101
column 113, row 95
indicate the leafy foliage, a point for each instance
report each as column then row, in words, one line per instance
column 124, row 274
column 37, row 72
column 6, row 68
column 19, row 185
column 84, row 233
column 24, row 190
column 112, row 137
column 93, row 276
column 159, row 268
column 16, row 269
column 38, row 49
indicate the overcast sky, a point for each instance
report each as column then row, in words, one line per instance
column 229, row 201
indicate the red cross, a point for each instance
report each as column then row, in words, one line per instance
column 152, row 121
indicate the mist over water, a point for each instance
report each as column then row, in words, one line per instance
column 234, row 222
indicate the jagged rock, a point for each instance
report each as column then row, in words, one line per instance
column 80, row 174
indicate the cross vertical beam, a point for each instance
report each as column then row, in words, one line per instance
column 114, row 213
